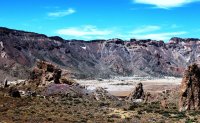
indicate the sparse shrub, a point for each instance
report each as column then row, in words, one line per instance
column 68, row 81
column 166, row 114
column 14, row 92
column 49, row 119
column 180, row 115
column 110, row 120
column 194, row 113
column 139, row 111
column 77, row 101
column 115, row 116
column 104, row 104
column 133, row 106
column 189, row 121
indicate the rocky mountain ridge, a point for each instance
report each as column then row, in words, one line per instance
column 19, row 51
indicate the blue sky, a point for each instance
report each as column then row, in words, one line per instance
column 104, row 19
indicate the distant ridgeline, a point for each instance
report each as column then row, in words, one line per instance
column 19, row 51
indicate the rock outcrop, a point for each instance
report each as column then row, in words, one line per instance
column 45, row 73
column 20, row 50
column 190, row 89
column 138, row 93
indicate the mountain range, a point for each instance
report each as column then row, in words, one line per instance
column 19, row 51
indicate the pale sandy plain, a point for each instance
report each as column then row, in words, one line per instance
column 122, row 86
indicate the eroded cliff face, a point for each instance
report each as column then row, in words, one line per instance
column 98, row 58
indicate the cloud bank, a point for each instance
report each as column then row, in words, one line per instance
column 165, row 4
column 154, row 32
column 88, row 31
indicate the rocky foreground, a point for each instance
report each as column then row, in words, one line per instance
column 19, row 51
column 50, row 96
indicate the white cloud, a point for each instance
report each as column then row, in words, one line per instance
column 90, row 32
column 87, row 32
column 154, row 32
column 159, row 36
column 165, row 4
column 62, row 13
column 145, row 29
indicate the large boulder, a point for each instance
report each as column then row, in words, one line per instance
column 190, row 89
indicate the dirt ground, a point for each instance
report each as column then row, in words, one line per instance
column 70, row 108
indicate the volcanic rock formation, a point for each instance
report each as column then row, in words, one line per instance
column 44, row 73
column 190, row 89
column 138, row 93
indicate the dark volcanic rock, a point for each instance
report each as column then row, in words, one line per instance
column 190, row 89
column 57, row 75
column 97, row 58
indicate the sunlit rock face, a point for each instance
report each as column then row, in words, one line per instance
column 98, row 58
column 45, row 73
column 190, row 89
